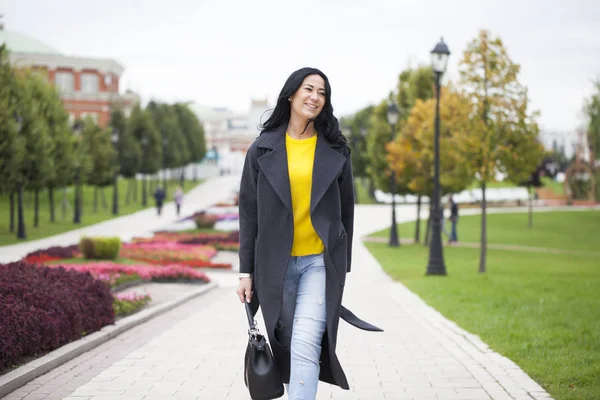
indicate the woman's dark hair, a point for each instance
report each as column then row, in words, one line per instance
column 326, row 123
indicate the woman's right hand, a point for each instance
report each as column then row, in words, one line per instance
column 245, row 289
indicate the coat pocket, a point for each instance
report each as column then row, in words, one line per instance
column 338, row 257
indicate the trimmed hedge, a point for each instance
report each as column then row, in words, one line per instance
column 100, row 248
column 44, row 308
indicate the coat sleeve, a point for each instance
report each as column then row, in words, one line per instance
column 346, row 183
column 248, row 210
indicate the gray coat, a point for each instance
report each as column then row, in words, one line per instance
column 266, row 235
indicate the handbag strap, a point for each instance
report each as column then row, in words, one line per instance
column 251, row 322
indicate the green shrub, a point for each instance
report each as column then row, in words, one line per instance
column 86, row 245
column 100, row 248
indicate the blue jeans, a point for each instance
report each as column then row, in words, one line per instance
column 304, row 299
column 454, row 235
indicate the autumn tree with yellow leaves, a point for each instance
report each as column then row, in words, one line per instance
column 412, row 153
column 503, row 134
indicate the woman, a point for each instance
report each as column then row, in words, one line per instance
column 178, row 199
column 296, row 221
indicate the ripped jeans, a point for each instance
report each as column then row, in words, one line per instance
column 304, row 299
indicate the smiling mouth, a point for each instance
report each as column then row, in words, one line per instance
column 311, row 106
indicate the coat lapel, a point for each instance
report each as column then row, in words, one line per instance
column 274, row 164
column 327, row 166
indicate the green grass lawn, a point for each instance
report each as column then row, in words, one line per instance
column 540, row 310
column 88, row 217
column 557, row 187
column 568, row 230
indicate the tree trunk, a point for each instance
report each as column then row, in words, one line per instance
column 51, row 201
column 128, row 195
column 182, row 178
column 81, row 200
column 135, row 190
column 530, row 206
column 483, row 230
column 371, row 189
column 95, row 199
column 103, row 199
column 20, row 217
column 418, row 225
column 64, row 203
column 165, row 180
column 195, row 172
column 144, row 192
column 36, row 208
column 12, row 211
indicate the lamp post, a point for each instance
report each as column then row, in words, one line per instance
column 436, row 265
column 20, row 216
column 393, row 115
column 115, row 142
column 144, row 194
column 77, row 213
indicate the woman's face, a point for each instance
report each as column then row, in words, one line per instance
column 309, row 99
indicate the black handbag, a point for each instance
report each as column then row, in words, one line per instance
column 261, row 375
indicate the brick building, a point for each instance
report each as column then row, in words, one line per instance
column 88, row 86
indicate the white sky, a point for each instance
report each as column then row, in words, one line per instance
column 223, row 53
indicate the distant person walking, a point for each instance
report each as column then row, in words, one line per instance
column 453, row 220
column 159, row 198
column 178, row 199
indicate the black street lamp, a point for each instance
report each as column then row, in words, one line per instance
column 144, row 194
column 393, row 115
column 115, row 142
column 20, row 215
column 77, row 213
column 436, row 265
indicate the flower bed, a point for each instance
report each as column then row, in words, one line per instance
column 45, row 308
column 193, row 256
column 51, row 254
column 168, row 247
column 129, row 303
column 192, row 238
column 145, row 272
column 178, row 260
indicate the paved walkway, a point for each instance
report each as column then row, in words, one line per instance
column 196, row 350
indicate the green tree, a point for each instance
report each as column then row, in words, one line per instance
column 356, row 128
column 12, row 144
column 193, row 131
column 412, row 153
column 101, row 155
column 37, row 166
column 130, row 151
column 174, row 150
column 142, row 128
column 56, row 120
column 591, row 110
column 379, row 135
column 499, row 102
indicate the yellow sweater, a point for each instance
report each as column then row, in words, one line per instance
column 301, row 157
